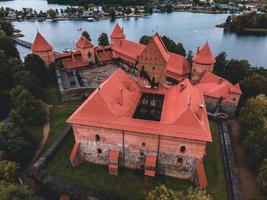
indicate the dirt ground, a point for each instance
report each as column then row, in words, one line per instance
column 247, row 178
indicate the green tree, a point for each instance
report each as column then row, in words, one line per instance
column 7, row 28
column 196, row 194
column 25, row 105
column 144, row 39
column 262, row 178
column 103, row 39
column 253, row 126
column 36, row 66
column 86, row 34
column 254, row 85
column 9, row 47
column 16, row 192
column 163, row 193
column 6, row 80
column 52, row 13
column 14, row 143
column 8, row 170
column 2, row 15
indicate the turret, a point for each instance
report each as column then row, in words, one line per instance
column 202, row 61
column 87, row 50
column 42, row 48
column 117, row 35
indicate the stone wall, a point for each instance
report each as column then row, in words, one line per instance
column 95, row 144
column 211, row 103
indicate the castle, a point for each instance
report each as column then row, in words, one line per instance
column 152, row 115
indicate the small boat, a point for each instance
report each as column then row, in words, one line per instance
column 90, row 19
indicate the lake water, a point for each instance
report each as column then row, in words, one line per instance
column 191, row 29
column 34, row 4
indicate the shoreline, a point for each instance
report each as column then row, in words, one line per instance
column 245, row 31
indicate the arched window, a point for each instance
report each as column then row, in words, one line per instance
column 99, row 151
column 182, row 149
column 97, row 137
column 180, row 160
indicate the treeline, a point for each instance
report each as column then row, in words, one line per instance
column 252, row 113
column 240, row 23
column 100, row 2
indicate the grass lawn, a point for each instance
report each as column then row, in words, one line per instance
column 58, row 115
column 130, row 184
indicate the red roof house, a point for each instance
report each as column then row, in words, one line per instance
column 84, row 43
column 40, row 44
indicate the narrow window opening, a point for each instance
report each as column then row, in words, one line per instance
column 182, row 149
column 97, row 137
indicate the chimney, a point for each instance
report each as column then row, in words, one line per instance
column 121, row 97
column 197, row 50
column 200, row 110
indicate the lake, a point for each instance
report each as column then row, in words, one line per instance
column 191, row 29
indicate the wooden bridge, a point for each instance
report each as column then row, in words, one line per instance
column 23, row 43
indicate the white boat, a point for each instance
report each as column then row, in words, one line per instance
column 90, row 19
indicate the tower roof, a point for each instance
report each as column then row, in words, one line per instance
column 117, row 33
column 84, row 43
column 204, row 56
column 40, row 44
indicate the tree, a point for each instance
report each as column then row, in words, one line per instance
column 14, row 142
column 29, row 82
column 36, row 65
column 52, row 13
column 6, row 80
column 163, row 193
column 8, row 170
column 232, row 70
column 195, row 194
column 253, row 125
column 103, row 39
column 15, row 192
column 86, row 34
column 112, row 13
column 262, row 178
column 25, row 105
column 7, row 28
column 253, row 86
column 144, row 39
column 9, row 47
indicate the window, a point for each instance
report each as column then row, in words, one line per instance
column 143, row 144
column 182, row 149
column 97, row 137
column 180, row 160
column 153, row 68
column 99, row 151
column 233, row 99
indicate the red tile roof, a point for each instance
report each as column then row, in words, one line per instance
column 202, row 180
column 204, row 56
column 84, row 43
column 177, row 64
column 128, row 50
column 107, row 108
column 117, row 33
column 77, row 62
column 40, row 44
column 215, row 86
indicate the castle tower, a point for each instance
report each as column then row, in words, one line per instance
column 117, row 35
column 202, row 61
column 87, row 50
column 42, row 48
column 152, row 63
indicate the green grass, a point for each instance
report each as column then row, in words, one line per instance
column 130, row 184
column 214, row 166
column 58, row 116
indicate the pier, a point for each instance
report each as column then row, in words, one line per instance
column 23, row 43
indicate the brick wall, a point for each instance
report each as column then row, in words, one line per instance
column 95, row 144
